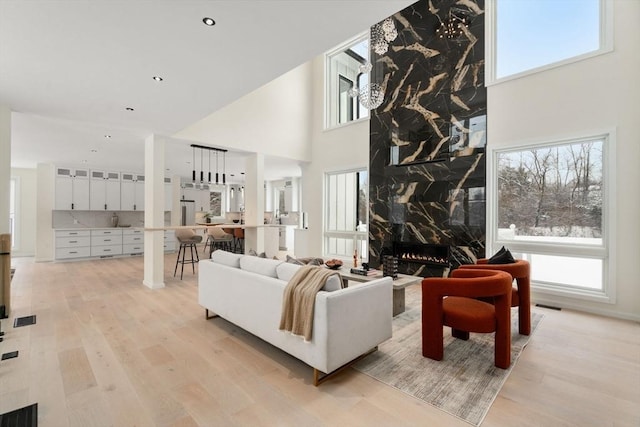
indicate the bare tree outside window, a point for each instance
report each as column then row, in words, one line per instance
column 553, row 193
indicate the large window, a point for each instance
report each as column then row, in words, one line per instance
column 532, row 35
column 343, row 74
column 346, row 214
column 552, row 206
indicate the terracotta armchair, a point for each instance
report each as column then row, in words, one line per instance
column 453, row 302
column 521, row 293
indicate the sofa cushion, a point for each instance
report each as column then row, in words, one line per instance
column 263, row 266
column 286, row 271
column 226, row 258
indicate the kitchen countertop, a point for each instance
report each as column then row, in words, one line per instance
column 202, row 227
column 97, row 228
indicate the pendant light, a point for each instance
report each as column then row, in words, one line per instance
column 201, row 171
column 224, row 167
column 217, row 180
column 193, row 175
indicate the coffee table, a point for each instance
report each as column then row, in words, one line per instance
column 399, row 285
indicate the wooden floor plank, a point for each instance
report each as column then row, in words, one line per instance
column 76, row 371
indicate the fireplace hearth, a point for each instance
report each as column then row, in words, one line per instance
column 422, row 253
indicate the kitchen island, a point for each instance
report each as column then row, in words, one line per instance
column 260, row 238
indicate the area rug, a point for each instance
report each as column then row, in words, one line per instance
column 465, row 383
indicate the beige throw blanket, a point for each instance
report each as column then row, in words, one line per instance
column 299, row 299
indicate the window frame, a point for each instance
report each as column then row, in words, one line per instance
column 351, row 112
column 604, row 252
column 360, row 238
column 330, row 109
column 491, row 44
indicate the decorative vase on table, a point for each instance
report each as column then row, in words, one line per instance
column 390, row 266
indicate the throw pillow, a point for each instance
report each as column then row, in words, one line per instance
column 292, row 260
column 259, row 255
column 503, row 256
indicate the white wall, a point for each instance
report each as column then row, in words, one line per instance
column 342, row 148
column 5, row 166
column 272, row 120
column 26, row 211
column 586, row 98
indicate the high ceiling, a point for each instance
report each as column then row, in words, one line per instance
column 69, row 69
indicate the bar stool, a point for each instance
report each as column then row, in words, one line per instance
column 217, row 238
column 238, row 234
column 187, row 239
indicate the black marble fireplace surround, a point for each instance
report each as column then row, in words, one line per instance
column 427, row 140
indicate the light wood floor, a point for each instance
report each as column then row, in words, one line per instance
column 107, row 351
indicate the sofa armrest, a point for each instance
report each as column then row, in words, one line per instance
column 357, row 318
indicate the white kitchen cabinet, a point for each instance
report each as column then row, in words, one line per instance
column 72, row 244
column 106, row 242
column 72, row 189
column 168, row 194
column 132, row 241
column 169, row 241
column 288, row 199
column 286, row 240
column 105, row 191
column 132, row 192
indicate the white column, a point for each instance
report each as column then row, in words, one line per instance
column 175, row 201
column 153, row 212
column 5, row 167
column 254, row 203
column 45, row 199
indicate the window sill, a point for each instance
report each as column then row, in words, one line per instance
column 342, row 125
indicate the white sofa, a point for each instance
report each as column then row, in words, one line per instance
column 247, row 291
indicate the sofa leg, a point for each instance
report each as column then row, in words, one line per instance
column 209, row 316
column 318, row 378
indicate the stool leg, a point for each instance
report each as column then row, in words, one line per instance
column 193, row 268
column 197, row 256
column 175, row 270
column 184, row 251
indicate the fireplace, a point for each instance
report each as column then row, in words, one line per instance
column 422, row 253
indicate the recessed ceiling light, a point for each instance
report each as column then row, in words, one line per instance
column 157, row 78
column 93, row 150
column 84, row 161
column 209, row 21
column 129, row 109
column 108, row 136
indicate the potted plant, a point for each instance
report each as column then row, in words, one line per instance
column 207, row 217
